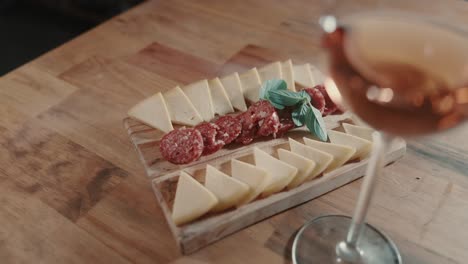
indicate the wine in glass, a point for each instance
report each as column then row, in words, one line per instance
column 403, row 74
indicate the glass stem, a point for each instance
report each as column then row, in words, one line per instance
column 376, row 164
column 347, row 250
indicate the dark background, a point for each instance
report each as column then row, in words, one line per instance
column 30, row 28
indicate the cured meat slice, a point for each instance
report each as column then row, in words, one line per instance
column 317, row 99
column 330, row 106
column 182, row 146
column 269, row 125
column 284, row 126
column 261, row 110
column 209, row 132
column 229, row 128
column 249, row 128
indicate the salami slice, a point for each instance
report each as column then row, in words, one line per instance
column 249, row 128
column 285, row 126
column 330, row 106
column 317, row 98
column 261, row 110
column 209, row 132
column 229, row 128
column 182, row 146
column 269, row 125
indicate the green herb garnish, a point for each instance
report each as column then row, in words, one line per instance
column 276, row 92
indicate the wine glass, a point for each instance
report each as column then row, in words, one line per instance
column 405, row 74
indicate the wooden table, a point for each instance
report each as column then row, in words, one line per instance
column 72, row 188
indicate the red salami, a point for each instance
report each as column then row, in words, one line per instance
column 317, row 98
column 285, row 126
column 229, row 128
column 182, row 146
column 269, row 125
column 248, row 128
column 261, row 110
column 330, row 106
column 209, row 132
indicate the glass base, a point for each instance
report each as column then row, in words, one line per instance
column 318, row 240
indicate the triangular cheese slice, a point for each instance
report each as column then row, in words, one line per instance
column 257, row 179
column 221, row 103
column 317, row 76
column 200, row 95
column 192, row 200
column 304, row 166
column 233, row 88
column 153, row 112
column 288, row 74
column 303, row 76
column 251, row 84
column 228, row 190
column 270, row 72
column 359, row 131
column 341, row 154
column 181, row 108
column 322, row 159
column 362, row 146
column 281, row 173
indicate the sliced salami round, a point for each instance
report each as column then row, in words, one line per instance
column 229, row 128
column 209, row 132
column 317, row 98
column 261, row 110
column 330, row 106
column 285, row 126
column 249, row 128
column 182, row 146
column 269, row 125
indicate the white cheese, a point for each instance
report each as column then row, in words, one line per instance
column 233, row 88
column 181, row 109
column 304, row 166
column 221, row 103
column 153, row 112
column 322, row 159
column 303, row 76
column 281, row 173
column 200, row 95
column 270, row 71
column 341, row 154
column 362, row 146
column 317, row 76
column 227, row 189
column 251, row 84
column 359, row 131
column 192, row 200
column 257, row 179
column 288, row 74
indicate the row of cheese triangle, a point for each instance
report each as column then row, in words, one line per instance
column 269, row 175
column 200, row 101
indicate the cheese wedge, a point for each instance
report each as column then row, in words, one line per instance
column 281, row 173
column 359, row 131
column 322, row 159
column 192, row 200
column 181, row 109
column 362, row 146
column 288, row 74
column 251, row 84
column 317, row 76
column 228, row 190
column 341, row 154
column 304, row 166
column 153, row 112
column 303, row 76
column 200, row 96
column 270, row 71
column 221, row 103
column 257, row 179
column 233, row 88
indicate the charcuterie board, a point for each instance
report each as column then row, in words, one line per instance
column 214, row 226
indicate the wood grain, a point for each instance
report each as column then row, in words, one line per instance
column 61, row 133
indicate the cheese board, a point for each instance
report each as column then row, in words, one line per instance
column 225, row 153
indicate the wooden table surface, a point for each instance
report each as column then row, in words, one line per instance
column 72, row 189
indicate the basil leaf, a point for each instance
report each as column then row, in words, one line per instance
column 305, row 95
column 299, row 114
column 271, row 85
column 315, row 123
column 285, row 97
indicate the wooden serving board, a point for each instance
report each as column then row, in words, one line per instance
column 212, row 227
